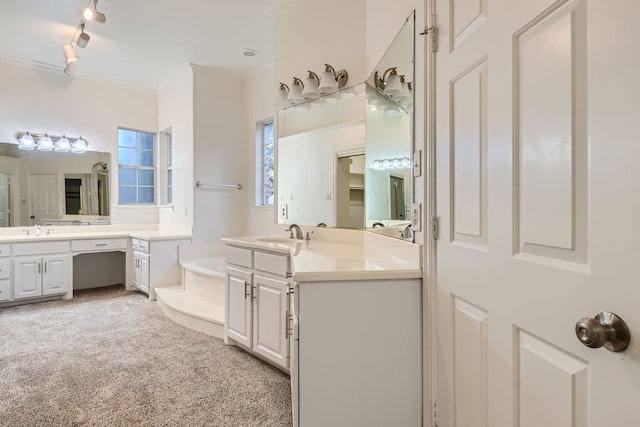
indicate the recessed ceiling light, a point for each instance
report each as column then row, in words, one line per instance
column 249, row 52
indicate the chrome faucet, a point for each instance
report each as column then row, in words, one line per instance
column 297, row 229
column 407, row 233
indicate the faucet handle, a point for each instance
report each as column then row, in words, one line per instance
column 309, row 233
column 26, row 232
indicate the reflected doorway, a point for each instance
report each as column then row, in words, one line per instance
column 350, row 212
column 396, row 195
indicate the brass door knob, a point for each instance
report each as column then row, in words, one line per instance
column 604, row 330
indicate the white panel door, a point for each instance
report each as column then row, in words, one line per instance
column 56, row 277
column 537, row 151
column 269, row 319
column 4, row 200
column 45, row 196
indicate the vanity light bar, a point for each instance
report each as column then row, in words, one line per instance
column 392, row 163
column 46, row 142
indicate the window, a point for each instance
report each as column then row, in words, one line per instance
column 165, row 169
column 265, row 172
column 136, row 167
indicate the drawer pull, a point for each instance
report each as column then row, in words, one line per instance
column 246, row 294
column 101, row 244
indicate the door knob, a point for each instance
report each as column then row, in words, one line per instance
column 604, row 330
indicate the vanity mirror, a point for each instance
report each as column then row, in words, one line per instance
column 51, row 188
column 345, row 159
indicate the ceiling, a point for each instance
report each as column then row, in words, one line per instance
column 141, row 42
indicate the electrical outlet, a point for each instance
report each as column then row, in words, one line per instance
column 327, row 196
column 284, row 212
column 416, row 216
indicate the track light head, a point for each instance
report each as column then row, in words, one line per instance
column 83, row 38
column 69, row 53
column 92, row 14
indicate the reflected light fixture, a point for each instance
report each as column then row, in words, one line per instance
column 79, row 146
column 392, row 163
column 91, row 13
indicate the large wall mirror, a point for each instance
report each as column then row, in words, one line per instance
column 345, row 159
column 51, row 188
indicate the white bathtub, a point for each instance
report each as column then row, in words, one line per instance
column 204, row 278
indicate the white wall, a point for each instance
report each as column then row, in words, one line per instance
column 309, row 34
column 175, row 111
column 259, row 100
column 49, row 101
column 219, row 153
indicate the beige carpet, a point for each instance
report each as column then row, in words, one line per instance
column 110, row 357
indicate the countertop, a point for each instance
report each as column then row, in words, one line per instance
column 370, row 257
column 79, row 233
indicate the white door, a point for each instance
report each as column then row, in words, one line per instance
column 538, row 196
column 45, row 197
column 270, row 309
column 4, row 200
column 56, row 276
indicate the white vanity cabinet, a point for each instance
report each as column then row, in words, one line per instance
column 357, row 353
column 41, row 269
column 257, row 303
column 155, row 263
column 5, row 272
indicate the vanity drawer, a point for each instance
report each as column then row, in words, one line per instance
column 5, row 250
column 40, row 248
column 99, row 245
column 140, row 245
column 5, row 289
column 5, row 268
column 238, row 256
column 271, row 263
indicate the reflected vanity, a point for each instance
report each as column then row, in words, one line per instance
column 345, row 159
column 51, row 188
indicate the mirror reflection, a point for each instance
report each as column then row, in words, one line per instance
column 51, row 188
column 345, row 160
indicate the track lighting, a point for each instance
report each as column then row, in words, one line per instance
column 83, row 38
column 91, row 13
column 69, row 53
column 44, row 142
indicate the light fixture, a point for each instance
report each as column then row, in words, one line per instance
column 391, row 163
column 70, row 68
column 62, row 145
column 249, row 52
column 79, row 146
column 389, row 83
column 69, row 53
column 91, row 13
column 45, row 143
column 83, row 38
column 331, row 81
column 26, row 142
column 311, row 86
column 295, row 91
column 281, row 95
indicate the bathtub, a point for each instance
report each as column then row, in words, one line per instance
column 203, row 278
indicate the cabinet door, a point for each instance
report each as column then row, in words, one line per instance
column 270, row 308
column 55, row 274
column 238, row 295
column 144, row 272
column 27, row 278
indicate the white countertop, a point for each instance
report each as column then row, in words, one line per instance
column 370, row 257
column 80, row 232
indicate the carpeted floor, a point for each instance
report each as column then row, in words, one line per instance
column 110, row 357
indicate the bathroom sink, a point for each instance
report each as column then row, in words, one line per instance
column 278, row 240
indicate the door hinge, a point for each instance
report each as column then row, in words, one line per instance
column 435, row 413
column 435, row 227
column 432, row 32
